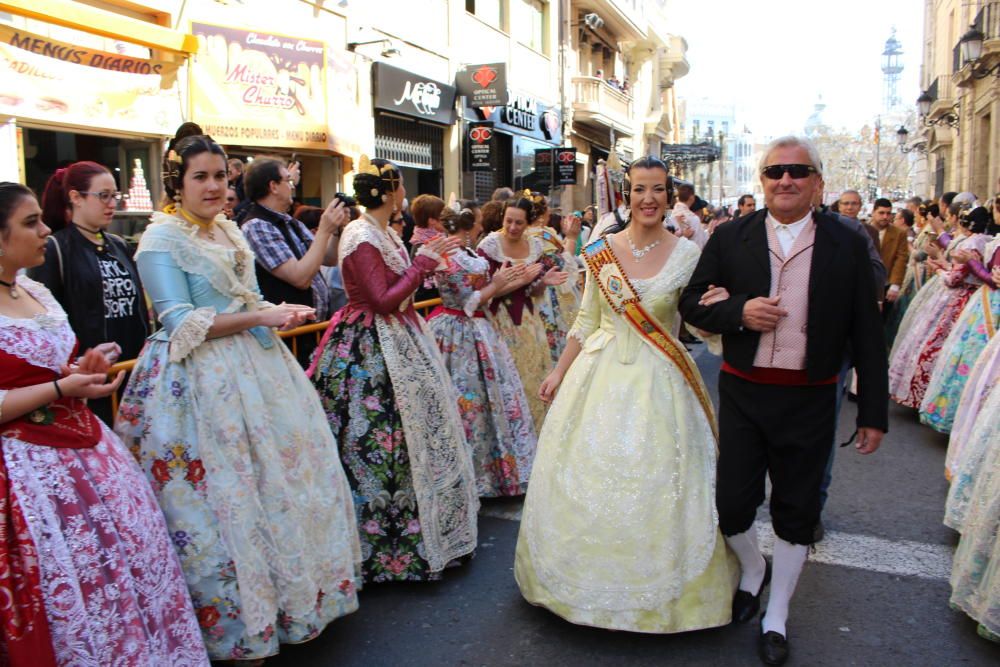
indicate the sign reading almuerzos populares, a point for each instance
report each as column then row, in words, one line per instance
column 480, row 146
column 484, row 85
column 413, row 95
column 259, row 89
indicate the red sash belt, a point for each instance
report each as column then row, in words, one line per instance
column 441, row 310
column 781, row 376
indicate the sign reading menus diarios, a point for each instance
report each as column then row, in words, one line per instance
column 66, row 83
column 480, row 146
column 565, row 166
column 254, row 88
column 484, row 85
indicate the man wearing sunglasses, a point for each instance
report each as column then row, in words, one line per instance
column 801, row 292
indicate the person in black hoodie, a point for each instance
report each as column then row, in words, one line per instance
column 89, row 270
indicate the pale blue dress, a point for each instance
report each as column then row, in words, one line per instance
column 235, row 443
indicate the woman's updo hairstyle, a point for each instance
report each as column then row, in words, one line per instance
column 538, row 205
column 492, row 216
column 178, row 157
column 375, row 181
column 975, row 220
column 648, row 162
column 463, row 221
column 57, row 210
column 522, row 203
column 11, row 195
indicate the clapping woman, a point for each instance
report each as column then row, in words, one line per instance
column 389, row 399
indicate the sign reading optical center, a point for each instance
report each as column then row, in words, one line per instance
column 259, row 89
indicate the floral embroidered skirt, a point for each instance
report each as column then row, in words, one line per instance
column 902, row 304
column 236, row 446
column 975, row 575
column 357, row 394
column 916, row 351
column 113, row 588
column 491, row 401
column 958, row 356
column 528, row 345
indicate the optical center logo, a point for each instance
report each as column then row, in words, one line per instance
column 425, row 96
column 481, row 134
column 484, row 76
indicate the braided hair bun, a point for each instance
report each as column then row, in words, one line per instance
column 372, row 189
column 178, row 157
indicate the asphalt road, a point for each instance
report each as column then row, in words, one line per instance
column 875, row 592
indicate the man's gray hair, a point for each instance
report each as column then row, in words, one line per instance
column 791, row 140
column 851, row 192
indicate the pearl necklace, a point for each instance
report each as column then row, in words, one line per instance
column 638, row 254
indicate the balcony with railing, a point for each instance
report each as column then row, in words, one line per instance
column 598, row 104
column 987, row 22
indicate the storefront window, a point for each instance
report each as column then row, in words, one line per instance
column 489, row 11
column 525, row 176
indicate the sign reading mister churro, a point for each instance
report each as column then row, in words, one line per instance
column 259, row 89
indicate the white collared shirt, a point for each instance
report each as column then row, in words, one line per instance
column 787, row 233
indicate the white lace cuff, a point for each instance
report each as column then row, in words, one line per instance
column 3, row 397
column 471, row 304
column 191, row 333
column 423, row 250
column 577, row 333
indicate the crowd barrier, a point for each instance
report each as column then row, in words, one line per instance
column 315, row 329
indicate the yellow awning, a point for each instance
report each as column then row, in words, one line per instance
column 100, row 22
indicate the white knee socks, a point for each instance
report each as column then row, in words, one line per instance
column 747, row 550
column 788, row 561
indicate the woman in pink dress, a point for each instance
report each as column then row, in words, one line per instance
column 88, row 575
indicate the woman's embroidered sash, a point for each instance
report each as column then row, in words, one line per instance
column 625, row 301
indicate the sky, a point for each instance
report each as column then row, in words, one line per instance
column 773, row 58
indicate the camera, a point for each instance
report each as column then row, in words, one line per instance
column 345, row 199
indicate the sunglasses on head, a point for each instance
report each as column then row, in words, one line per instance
column 776, row 171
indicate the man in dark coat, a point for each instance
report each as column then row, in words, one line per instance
column 801, row 292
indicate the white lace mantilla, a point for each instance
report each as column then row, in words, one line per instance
column 215, row 263
column 493, row 249
column 387, row 241
column 45, row 340
column 441, row 464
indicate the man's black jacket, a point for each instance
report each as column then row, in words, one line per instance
column 842, row 304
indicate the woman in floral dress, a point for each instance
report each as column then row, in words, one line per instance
column 88, row 575
column 916, row 272
column 230, row 432
column 491, row 398
column 559, row 308
column 978, row 322
column 516, row 307
column 389, row 400
column 928, row 321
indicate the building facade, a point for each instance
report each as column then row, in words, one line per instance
column 961, row 129
column 325, row 82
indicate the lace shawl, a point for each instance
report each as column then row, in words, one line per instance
column 45, row 340
column 215, row 263
column 441, row 465
column 388, row 243
column 491, row 246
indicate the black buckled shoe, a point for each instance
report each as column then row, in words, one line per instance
column 772, row 648
column 745, row 605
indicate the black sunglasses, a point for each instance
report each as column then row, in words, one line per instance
column 776, row 171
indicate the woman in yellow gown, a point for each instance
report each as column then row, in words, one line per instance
column 515, row 311
column 619, row 528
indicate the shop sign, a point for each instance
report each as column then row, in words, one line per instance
column 410, row 94
column 63, row 83
column 480, row 146
column 484, row 85
column 544, row 159
column 565, row 166
column 524, row 115
column 259, row 89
